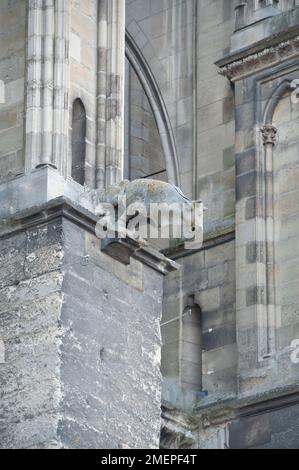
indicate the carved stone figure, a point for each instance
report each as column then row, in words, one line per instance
column 147, row 197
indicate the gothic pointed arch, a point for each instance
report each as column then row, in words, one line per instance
column 152, row 91
column 276, row 96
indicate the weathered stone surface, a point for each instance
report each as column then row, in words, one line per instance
column 12, row 74
column 249, row 433
column 80, row 358
column 69, row 313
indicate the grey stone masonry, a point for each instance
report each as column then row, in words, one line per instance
column 81, row 334
column 12, row 82
column 263, row 65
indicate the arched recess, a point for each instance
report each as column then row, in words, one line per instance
column 285, row 157
column 182, row 346
column 276, row 96
column 78, row 141
column 191, row 348
column 280, row 151
column 151, row 89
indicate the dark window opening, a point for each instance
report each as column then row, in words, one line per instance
column 78, row 141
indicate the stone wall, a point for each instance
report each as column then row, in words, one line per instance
column 163, row 31
column 144, row 155
column 30, row 326
column 12, row 73
column 208, row 277
column 200, row 104
column 215, row 128
column 276, row 429
column 266, row 217
column 82, row 343
column 286, row 166
column 262, row 153
column 74, row 318
column 111, row 348
column 83, row 76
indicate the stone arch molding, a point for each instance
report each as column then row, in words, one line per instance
column 265, row 192
column 286, row 85
column 153, row 93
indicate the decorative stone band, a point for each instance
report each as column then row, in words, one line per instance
column 259, row 57
column 269, row 134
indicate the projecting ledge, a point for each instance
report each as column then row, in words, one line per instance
column 121, row 250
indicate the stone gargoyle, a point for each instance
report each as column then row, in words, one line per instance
column 127, row 198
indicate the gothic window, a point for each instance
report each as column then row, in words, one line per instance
column 78, row 141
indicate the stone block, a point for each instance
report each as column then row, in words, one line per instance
column 77, row 329
column 209, row 299
column 255, row 296
column 246, row 185
column 219, row 359
column 216, row 338
column 218, row 274
column 228, row 109
column 228, row 158
column 250, row 432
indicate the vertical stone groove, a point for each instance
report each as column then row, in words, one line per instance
column 101, row 93
column 60, row 126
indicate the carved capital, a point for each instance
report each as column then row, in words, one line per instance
column 269, row 134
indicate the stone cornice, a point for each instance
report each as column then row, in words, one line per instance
column 261, row 55
column 234, row 408
column 210, row 241
column 120, row 249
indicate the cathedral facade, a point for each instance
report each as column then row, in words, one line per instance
column 123, row 343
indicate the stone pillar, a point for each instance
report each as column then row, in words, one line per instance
column 115, row 91
column 101, row 98
column 81, row 332
column 61, row 85
column 46, row 108
column 47, row 83
column 34, row 84
column 267, row 341
column 111, row 71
